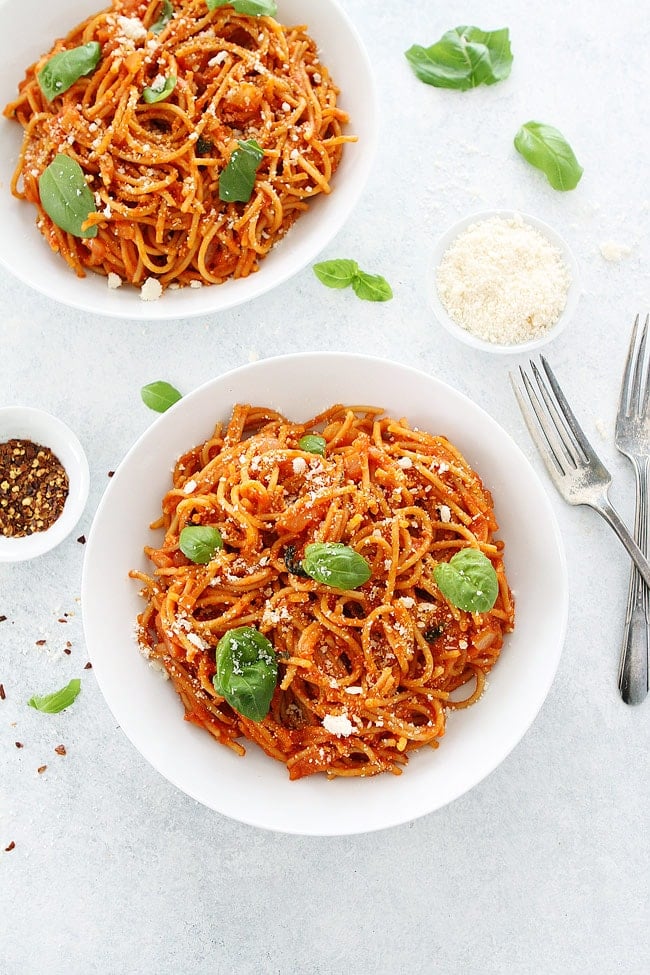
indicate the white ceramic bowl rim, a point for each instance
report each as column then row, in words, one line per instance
column 464, row 335
column 24, row 422
column 28, row 28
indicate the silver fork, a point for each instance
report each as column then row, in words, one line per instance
column 575, row 468
column 632, row 438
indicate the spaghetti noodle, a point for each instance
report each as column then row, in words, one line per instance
column 154, row 168
column 365, row 675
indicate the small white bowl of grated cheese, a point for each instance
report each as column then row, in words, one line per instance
column 503, row 281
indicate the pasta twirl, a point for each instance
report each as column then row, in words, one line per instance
column 154, row 167
column 365, row 675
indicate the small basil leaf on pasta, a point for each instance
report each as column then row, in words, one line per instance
column 159, row 90
column 165, row 15
column 66, row 67
column 58, row 700
column 200, row 543
column 371, row 287
column 238, row 178
column 313, row 444
column 336, row 565
column 159, row 396
column 65, row 196
column 544, row 147
column 337, row 273
column 469, row 581
column 463, row 58
column 247, row 671
column 254, row 8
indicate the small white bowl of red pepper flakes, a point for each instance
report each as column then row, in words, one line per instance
column 43, row 482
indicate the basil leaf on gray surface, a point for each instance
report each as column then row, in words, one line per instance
column 200, row 543
column 66, row 197
column 343, row 273
column 58, row 700
column 159, row 396
column 237, row 180
column 247, row 671
column 463, row 58
column 336, row 565
column 544, row 147
column 339, row 273
column 469, row 581
column 371, row 287
column 66, row 67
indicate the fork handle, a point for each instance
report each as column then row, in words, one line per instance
column 604, row 507
column 633, row 666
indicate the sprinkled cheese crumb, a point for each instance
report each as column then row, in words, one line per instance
column 132, row 28
column 114, row 280
column 614, row 252
column 354, row 689
column 217, row 59
column 151, row 290
column 444, row 512
column 338, row 724
column 405, row 463
column 503, row 281
column 189, row 486
column 299, row 465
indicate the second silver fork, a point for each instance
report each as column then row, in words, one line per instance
column 633, row 439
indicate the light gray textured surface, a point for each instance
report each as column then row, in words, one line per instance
column 544, row 867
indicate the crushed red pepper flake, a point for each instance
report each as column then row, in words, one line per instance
column 88, row 666
column 2, row 692
column 41, row 643
column 60, row 750
column 19, row 744
column 12, row 846
column 41, row 769
column 34, row 487
column 82, row 539
column 2, row 619
column 67, row 651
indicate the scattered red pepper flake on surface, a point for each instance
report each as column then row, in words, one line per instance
column 12, row 846
column 19, row 744
column 34, row 487
column 41, row 643
column 41, row 769
column 2, row 619
column 67, row 650
column 82, row 539
column 60, row 750
column 2, row 692
column 110, row 473
column 88, row 666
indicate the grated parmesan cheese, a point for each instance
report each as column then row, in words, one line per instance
column 338, row 724
column 503, row 281
column 114, row 280
column 151, row 290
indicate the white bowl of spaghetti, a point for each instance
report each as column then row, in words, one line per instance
column 340, row 709
column 199, row 158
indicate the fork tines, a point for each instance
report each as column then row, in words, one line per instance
column 634, row 386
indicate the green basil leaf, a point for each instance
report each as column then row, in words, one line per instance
column 371, row 287
column 238, row 178
column 247, row 671
column 166, row 14
column 65, row 196
column 58, row 700
column 200, row 543
column 255, row 8
column 159, row 396
column 463, row 58
column 66, row 67
column 336, row 565
column 155, row 93
column 336, row 274
column 313, row 444
column 546, row 148
column 469, row 581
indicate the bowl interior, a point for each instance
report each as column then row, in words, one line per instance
column 255, row 789
column 24, row 252
column 18, row 422
column 448, row 238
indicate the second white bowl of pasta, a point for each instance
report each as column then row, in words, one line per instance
column 181, row 159
column 325, row 583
